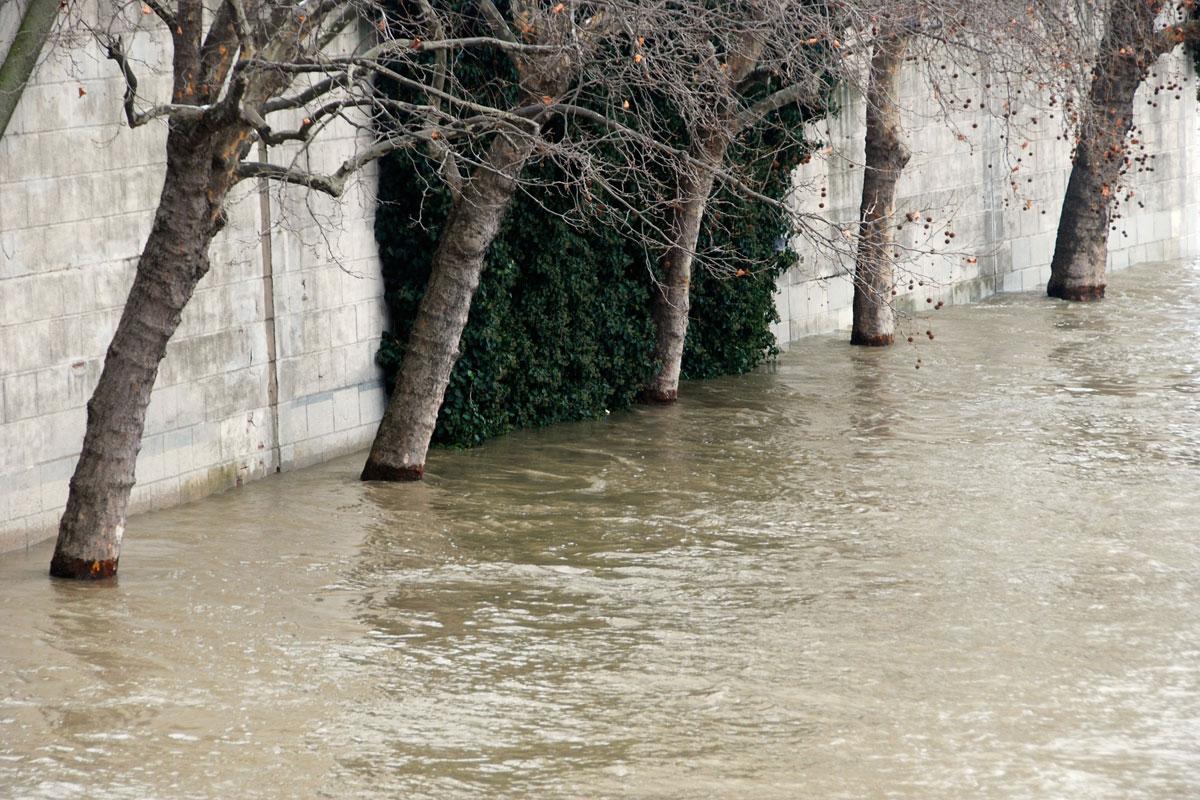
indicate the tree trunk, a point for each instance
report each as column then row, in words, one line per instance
column 1077, row 271
column 17, row 64
column 886, row 156
column 173, row 261
column 672, row 301
column 402, row 442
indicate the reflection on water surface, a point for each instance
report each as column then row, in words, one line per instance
column 838, row 578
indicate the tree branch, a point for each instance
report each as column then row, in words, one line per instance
column 163, row 13
column 434, row 137
column 496, row 21
column 333, row 184
column 307, row 96
column 396, row 46
column 136, row 118
column 440, row 60
column 769, row 104
column 1171, row 37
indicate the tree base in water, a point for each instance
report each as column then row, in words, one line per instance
column 658, row 397
column 385, row 472
column 79, row 569
column 872, row 340
column 1077, row 294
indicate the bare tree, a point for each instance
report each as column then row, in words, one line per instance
column 631, row 65
column 794, row 46
column 1130, row 46
column 1011, row 54
column 237, row 66
column 479, row 204
column 886, row 154
column 709, row 139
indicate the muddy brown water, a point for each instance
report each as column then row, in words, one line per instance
column 838, row 578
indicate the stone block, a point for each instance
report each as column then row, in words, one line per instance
column 1118, row 259
column 293, row 423
column 327, row 373
column 24, row 496
column 319, row 414
column 371, row 403
column 206, row 445
column 345, row 409
column 177, row 452
column 20, row 158
column 782, row 306
column 342, row 326
column 14, row 205
column 54, row 390
column 1031, row 279
column 150, row 459
column 1011, row 282
column 779, row 331
column 1154, row 251
column 1022, row 254
column 20, row 396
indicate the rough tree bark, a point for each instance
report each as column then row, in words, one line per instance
column 203, row 152
column 886, row 156
column 227, row 77
column 672, row 300
column 1127, row 51
column 709, row 145
column 173, row 261
column 402, row 442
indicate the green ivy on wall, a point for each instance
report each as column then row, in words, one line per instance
column 560, row 328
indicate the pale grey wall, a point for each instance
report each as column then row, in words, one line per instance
column 77, row 195
column 949, row 179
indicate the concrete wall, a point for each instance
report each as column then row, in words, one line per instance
column 78, row 191
column 77, row 195
column 961, row 174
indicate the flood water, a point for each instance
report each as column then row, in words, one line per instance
column 842, row 577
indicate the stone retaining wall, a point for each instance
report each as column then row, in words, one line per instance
column 302, row 307
column 78, row 191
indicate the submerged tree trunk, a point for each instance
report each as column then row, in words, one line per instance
column 402, row 441
column 672, row 300
column 173, row 261
column 1077, row 271
column 709, row 144
column 886, row 156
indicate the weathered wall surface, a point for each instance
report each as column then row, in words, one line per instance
column 965, row 185
column 304, row 303
column 78, row 191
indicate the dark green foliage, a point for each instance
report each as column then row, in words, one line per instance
column 560, row 328
column 729, row 325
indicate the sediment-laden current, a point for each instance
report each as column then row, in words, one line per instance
column 839, row 577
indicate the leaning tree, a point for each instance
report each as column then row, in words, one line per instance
column 577, row 43
column 766, row 57
column 1136, row 33
column 609, row 103
column 242, row 72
